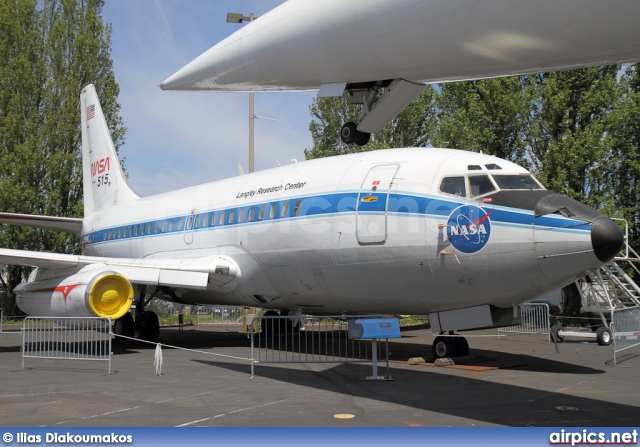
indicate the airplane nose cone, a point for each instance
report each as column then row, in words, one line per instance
column 606, row 238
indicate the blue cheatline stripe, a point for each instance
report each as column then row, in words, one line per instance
column 344, row 202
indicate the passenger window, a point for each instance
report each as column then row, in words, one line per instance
column 221, row 222
column 261, row 214
column 198, row 220
column 297, row 207
column 454, row 186
column 171, row 225
column 181, row 224
column 241, row 212
column 274, row 209
column 144, row 229
column 213, row 218
column 164, row 226
column 480, row 185
column 157, row 230
column 190, row 222
column 285, row 209
column 149, row 228
column 232, row 216
column 252, row 213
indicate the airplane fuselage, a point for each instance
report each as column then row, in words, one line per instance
column 378, row 231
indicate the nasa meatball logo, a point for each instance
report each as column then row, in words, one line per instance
column 469, row 228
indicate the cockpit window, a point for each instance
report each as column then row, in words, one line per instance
column 492, row 167
column 454, row 185
column 474, row 168
column 516, row 182
column 480, row 185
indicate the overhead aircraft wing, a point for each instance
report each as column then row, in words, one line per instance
column 197, row 273
column 68, row 224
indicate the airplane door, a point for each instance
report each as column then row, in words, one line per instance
column 372, row 205
column 189, row 226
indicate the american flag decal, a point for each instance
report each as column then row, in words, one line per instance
column 91, row 111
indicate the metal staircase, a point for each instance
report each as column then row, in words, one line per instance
column 610, row 289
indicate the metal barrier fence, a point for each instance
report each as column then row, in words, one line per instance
column 310, row 339
column 534, row 319
column 65, row 338
column 626, row 329
column 218, row 314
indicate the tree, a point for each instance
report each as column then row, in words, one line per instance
column 624, row 174
column 487, row 116
column 570, row 131
column 48, row 53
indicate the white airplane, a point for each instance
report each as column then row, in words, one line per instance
column 462, row 236
column 385, row 52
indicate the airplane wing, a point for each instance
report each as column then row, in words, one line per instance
column 197, row 273
column 67, row 224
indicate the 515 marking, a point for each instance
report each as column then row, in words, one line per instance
column 103, row 180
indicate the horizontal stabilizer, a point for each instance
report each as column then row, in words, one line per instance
column 68, row 224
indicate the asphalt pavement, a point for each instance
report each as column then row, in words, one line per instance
column 517, row 380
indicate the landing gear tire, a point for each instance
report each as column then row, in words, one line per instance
column 555, row 333
column 124, row 326
column 351, row 135
column 348, row 134
column 462, row 346
column 149, row 326
column 603, row 335
column 362, row 138
column 444, row 347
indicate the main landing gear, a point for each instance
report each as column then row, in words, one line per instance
column 351, row 135
column 146, row 322
column 448, row 346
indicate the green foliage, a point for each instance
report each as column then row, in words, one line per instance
column 570, row 131
column 48, row 52
column 487, row 116
column 623, row 175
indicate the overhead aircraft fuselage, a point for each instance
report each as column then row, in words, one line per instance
column 303, row 44
column 384, row 53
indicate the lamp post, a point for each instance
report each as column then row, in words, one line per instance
column 233, row 17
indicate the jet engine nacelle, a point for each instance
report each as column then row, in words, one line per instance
column 91, row 292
